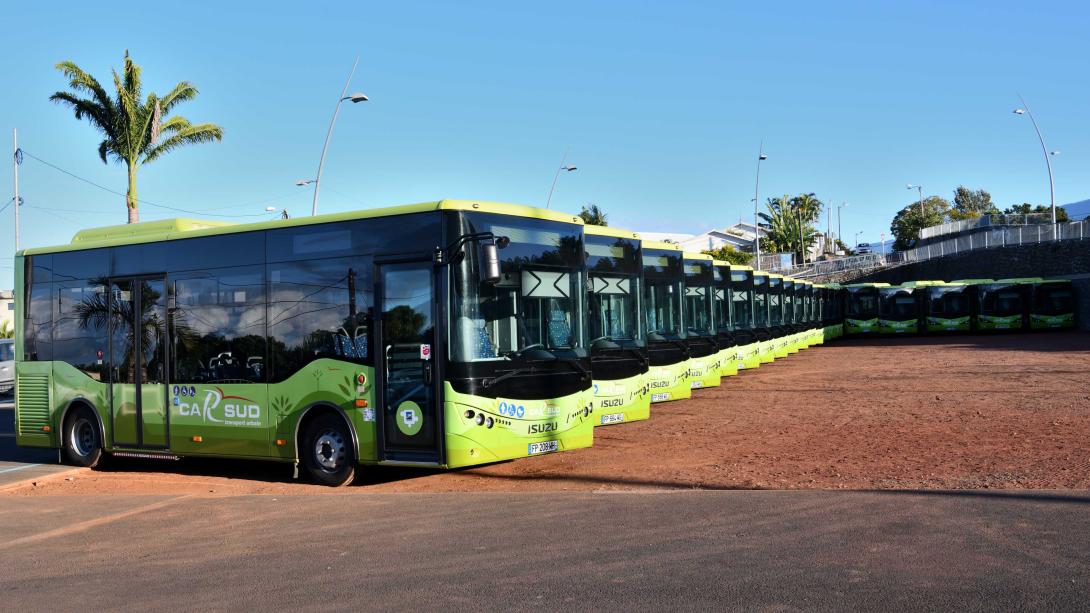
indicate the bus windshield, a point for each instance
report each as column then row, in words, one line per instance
column 613, row 299
column 1053, row 301
column 949, row 301
column 898, row 305
column 760, row 301
column 775, row 301
column 698, row 297
column 534, row 306
column 662, row 294
column 1004, row 300
column 742, row 316
column 863, row 304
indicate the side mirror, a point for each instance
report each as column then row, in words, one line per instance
column 490, row 263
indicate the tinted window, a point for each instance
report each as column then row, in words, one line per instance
column 80, row 330
column 417, row 233
column 38, row 324
column 218, row 324
column 87, row 264
column 319, row 309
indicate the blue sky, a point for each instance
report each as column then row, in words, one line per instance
column 663, row 105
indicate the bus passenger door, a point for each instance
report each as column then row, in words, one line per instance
column 408, row 372
column 137, row 316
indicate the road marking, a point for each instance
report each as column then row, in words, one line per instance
column 90, row 523
column 13, row 469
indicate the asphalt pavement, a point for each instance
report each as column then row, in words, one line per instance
column 18, row 464
column 699, row 550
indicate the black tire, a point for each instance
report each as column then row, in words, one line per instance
column 327, row 452
column 82, row 440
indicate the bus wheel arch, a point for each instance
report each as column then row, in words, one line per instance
column 323, row 434
column 82, row 434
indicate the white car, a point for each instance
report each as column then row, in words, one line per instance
column 7, row 365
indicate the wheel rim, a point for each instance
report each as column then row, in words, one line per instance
column 330, row 450
column 83, row 437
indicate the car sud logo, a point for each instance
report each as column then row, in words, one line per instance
column 237, row 411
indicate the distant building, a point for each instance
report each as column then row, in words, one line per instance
column 7, row 309
column 739, row 236
column 1077, row 211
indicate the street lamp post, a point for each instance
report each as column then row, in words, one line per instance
column 355, row 98
column 838, row 226
column 756, row 203
column 857, row 238
column 1024, row 110
column 920, row 189
column 563, row 167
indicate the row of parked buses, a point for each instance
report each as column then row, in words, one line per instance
column 443, row 334
column 964, row 305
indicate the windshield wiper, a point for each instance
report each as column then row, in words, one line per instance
column 507, row 375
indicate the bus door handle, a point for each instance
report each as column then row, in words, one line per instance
column 427, row 371
column 386, row 361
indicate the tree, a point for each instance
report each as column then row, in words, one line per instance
column 910, row 220
column 133, row 132
column 6, row 331
column 728, row 253
column 971, row 204
column 788, row 223
column 1041, row 209
column 593, row 215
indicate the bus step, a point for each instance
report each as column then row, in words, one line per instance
column 145, row 455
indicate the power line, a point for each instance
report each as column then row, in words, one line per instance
column 117, row 193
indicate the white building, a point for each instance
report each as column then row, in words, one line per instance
column 7, row 309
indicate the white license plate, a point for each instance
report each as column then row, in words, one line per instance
column 543, row 447
column 662, row 396
column 696, row 384
column 612, row 418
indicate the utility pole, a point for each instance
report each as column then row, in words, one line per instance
column 16, row 159
column 756, row 203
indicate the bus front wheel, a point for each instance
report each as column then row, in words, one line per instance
column 327, row 451
column 82, row 441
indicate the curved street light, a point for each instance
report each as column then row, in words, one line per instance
column 354, row 98
column 1024, row 110
column 920, row 189
column 756, row 204
column 563, row 167
column 839, row 236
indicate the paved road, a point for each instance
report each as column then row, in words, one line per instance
column 19, row 463
column 697, row 550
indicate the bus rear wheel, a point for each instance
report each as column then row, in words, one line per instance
column 82, row 443
column 327, row 451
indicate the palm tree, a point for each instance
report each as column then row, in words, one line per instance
column 133, row 132
column 593, row 215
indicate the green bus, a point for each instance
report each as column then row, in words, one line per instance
column 899, row 309
column 861, row 310
column 790, row 313
column 442, row 334
column 667, row 349
column 762, row 317
column 1052, row 305
column 618, row 345
column 724, row 320
column 743, row 323
column 1004, row 304
column 948, row 307
column 776, row 311
column 701, row 335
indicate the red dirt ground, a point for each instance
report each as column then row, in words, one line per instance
column 948, row 413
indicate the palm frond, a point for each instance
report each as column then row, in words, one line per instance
column 79, row 80
column 202, row 133
column 84, row 108
column 182, row 92
column 132, row 77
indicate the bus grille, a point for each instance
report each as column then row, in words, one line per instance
column 32, row 399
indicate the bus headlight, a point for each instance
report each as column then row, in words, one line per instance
column 480, row 419
column 490, row 422
column 469, row 414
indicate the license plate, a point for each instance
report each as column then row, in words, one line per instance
column 662, row 396
column 696, row 384
column 1003, row 326
column 543, row 447
column 612, row 418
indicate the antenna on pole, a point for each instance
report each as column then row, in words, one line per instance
column 16, row 159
